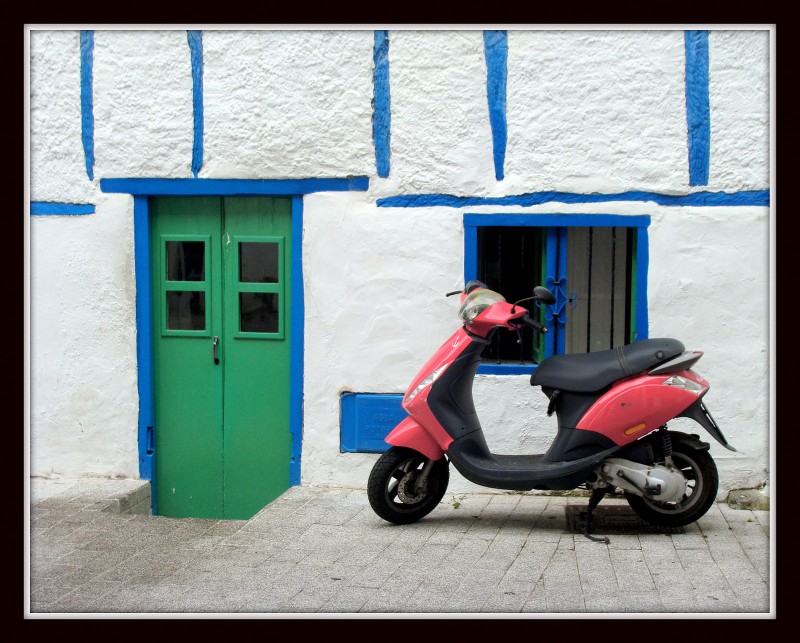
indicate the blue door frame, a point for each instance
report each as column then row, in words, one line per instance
column 141, row 190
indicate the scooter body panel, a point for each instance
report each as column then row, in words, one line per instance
column 409, row 433
column 500, row 314
column 636, row 406
column 445, row 355
column 422, row 431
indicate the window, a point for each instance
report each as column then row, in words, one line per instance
column 595, row 265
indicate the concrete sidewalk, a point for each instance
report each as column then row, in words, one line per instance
column 323, row 552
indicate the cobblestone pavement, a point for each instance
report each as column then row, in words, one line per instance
column 320, row 551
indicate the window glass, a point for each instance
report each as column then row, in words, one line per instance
column 258, row 312
column 258, row 262
column 186, row 310
column 186, row 261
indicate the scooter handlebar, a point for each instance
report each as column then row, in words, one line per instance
column 530, row 321
column 468, row 288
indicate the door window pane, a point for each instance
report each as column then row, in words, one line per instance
column 258, row 312
column 186, row 310
column 258, row 262
column 186, row 261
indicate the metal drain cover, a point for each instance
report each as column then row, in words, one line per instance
column 613, row 520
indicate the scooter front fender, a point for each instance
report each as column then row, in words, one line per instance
column 410, row 433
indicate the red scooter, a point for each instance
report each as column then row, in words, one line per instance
column 612, row 408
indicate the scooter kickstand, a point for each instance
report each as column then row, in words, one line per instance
column 586, row 517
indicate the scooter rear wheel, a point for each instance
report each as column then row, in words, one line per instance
column 391, row 488
column 701, row 473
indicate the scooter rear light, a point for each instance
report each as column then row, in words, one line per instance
column 684, row 383
column 426, row 382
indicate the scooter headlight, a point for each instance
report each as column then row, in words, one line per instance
column 427, row 381
column 478, row 301
column 684, row 383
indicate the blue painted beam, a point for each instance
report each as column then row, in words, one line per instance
column 195, row 39
column 229, row 187
column 87, row 108
column 495, row 45
column 549, row 220
column 747, row 197
column 698, row 113
column 381, row 116
column 487, row 368
column 144, row 341
column 297, row 344
column 642, row 324
column 46, row 208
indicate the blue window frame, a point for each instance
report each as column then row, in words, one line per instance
column 565, row 254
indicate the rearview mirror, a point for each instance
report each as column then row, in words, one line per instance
column 543, row 295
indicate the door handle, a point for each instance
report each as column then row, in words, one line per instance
column 214, row 349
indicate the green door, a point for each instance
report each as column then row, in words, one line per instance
column 221, row 354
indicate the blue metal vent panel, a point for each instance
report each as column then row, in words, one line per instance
column 366, row 419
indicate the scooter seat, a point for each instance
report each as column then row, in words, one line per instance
column 590, row 372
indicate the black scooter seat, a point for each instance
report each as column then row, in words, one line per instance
column 590, row 372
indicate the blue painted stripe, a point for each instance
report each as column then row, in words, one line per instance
column 751, row 197
column 470, row 251
column 144, row 340
column 87, row 109
column 195, row 39
column 381, row 116
column 698, row 112
column 495, row 45
column 506, row 369
column 562, row 220
column 229, row 187
column 642, row 263
column 44, row 208
column 297, row 346
column 561, row 320
column 550, row 277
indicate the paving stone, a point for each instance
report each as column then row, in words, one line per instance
column 323, row 551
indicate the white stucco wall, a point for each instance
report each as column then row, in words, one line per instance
column 142, row 104
column 387, row 314
column 587, row 111
column 709, row 283
column 441, row 137
column 287, row 103
column 738, row 95
column 56, row 161
column 83, row 398
column 596, row 111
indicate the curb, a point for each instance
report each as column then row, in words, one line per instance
column 131, row 502
column 138, row 501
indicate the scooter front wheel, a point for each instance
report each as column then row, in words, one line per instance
column 702, row 478
column 393, row 491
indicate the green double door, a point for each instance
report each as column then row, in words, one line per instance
column 221, row 311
